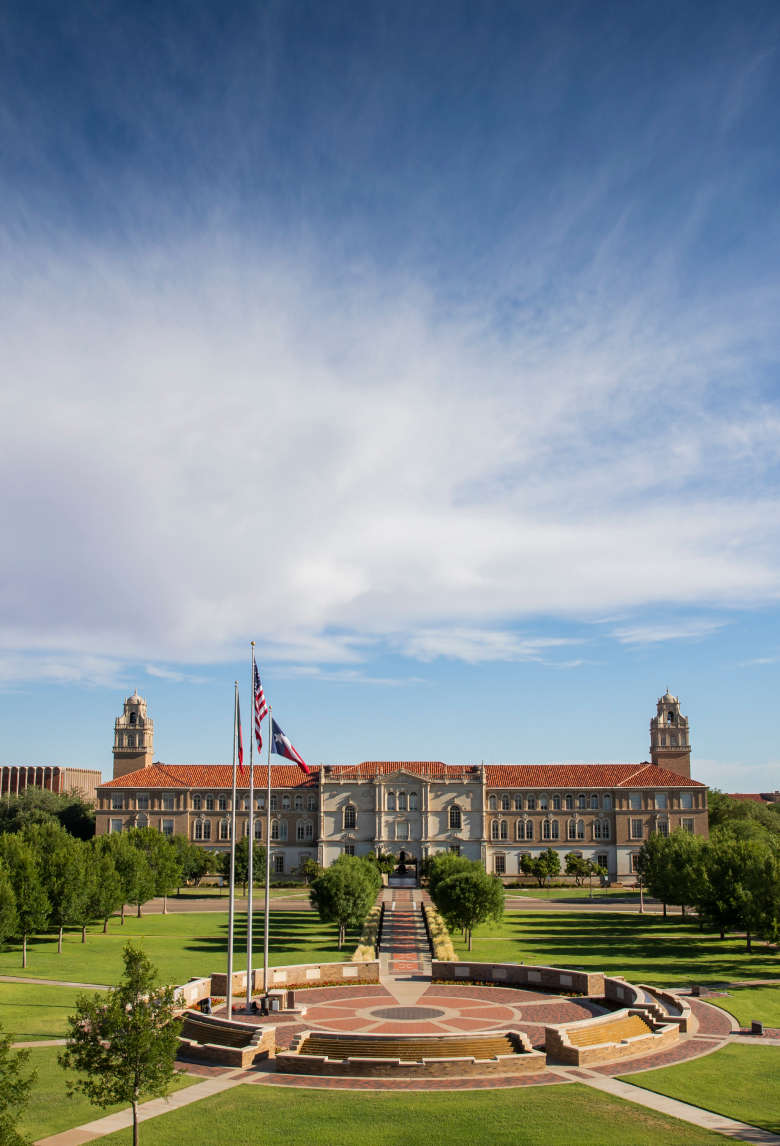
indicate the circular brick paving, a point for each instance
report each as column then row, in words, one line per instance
column 409, row 1014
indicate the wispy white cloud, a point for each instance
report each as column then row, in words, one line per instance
column 681, row 628
column 344, row 676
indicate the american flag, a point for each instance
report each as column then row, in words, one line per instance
column 261, row 709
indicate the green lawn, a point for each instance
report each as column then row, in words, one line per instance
column 209, row 892
column 738, row 1081
column 644, row 948
column 181, row 946
column 29, row 1011
column 539, row 1116
column 50, row 1110
column 563, row 893
column 750, row 1003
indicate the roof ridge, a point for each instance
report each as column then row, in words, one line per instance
column 644, row 766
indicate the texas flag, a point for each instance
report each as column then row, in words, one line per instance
column 282, row 747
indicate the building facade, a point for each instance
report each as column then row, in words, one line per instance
column 494, row 813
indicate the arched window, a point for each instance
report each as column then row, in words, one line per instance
column 494, row 830
column 529, row 829
column 196, row 802
column 504, row 803
column 673, row 741
column 222, row 804
column 504, row 830
column 555, row 829
column 605, row 829
column 543, row 803
column 207, row 829
column 670, row 718
column 571, row 830
column 601, row 829
column 131, row 742
column 545, row 829
column 142, row 820
column 607, row 803
column 569, row 803
column 518, row 803
column 209, row 803
column 455, row 816
column 580, row 829
column 278, row 829
column 402, row 801
column 258, row 829
column 274, row 829
column 299, row 803
column 594, row 802
column 492, row 803
column 285, row 803
column 531, row 803
column 274, row 802
column 311, row 803
column 581, row 803
column 391, row 801
column 412, row 801
column 350, row 817
column 224, row 830
column 198, row 830
column 261, row 803
column 556, row 803
column 299, row 830
column 309, row 830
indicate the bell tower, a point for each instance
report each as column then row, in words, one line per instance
column 133, row 737
column 670, row 745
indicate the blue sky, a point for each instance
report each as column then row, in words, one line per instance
column 434, row 347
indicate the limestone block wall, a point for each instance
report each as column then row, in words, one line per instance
column 557, row 1044
column 555, row 978
column 262, row 1046
column 300, row 975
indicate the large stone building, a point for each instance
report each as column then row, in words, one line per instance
column 490, row 812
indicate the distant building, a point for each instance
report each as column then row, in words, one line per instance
column 14, row 780
column 756, row 797
column 491, row 813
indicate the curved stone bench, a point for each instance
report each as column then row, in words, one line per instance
column 605, row 1038
column 411, row 1056
column 207, row 1038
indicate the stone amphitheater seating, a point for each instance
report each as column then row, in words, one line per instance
column 204, row 1032
column 410, row 1056
column 608, row 1037
column 628, row 1028
column 215, row 1040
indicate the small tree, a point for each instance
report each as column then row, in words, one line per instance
column 124, row 1044
column 194, row 862
column 137, row 877
column 107, row 893
column 540, row 867
column 32, row 903
column 386, row 861
column 578, row 867
column 162, row 859
column 309, row 869
column 14, row 1091
column 242, row 862
column 9, row 918
column 345, row 893
column 469, row 898
column 68, row 885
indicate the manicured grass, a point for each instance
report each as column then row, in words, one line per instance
column 31, row 1011
column 540, row 1116
column 644, row 948
column 50, row 1110
column 559, row 893
column 181, row 946
column 214, row 893
column 738, row 1081
column 750, row 1003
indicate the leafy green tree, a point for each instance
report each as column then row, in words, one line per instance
column 441, row 867
column 123, row 1046
column 40, row 806
column 542, row 866
column 9, row 918
column 385, row 861
column 137, row 877
column 468, row 898
column 308, row 869
column 107, row 892
column 582, row 869
column 195, row 862
column 14, row 1091
column 758, row 893
column 671, row 867
column 32, row 903
column 743, row 819
column 63, row 862
column 345, row 892
column 242, row 862
column 161, row 856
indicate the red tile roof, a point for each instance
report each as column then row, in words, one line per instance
column 212, row 776
column 584, row 776
column 496, row 775
column 756, row 797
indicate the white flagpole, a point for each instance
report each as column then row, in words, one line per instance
column 251, row 831
column 267, row 854
column 231, row 904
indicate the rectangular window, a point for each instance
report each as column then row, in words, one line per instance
column 543, row 803
column 455, row 849
column 635, row 863
column 686, row 801
column 224, row 830
column 556, row 803
column 412, row 801
column 555, row 829
column 532, row 803
column 143, row 803
column 116, row 825
column 131, row 742
column 285, row 803
column 282, row 829
column 504, row 830
column 222, row 803
column 687, row 826
column 529, row 829
column 310, row 831
column 349, row 849
column 663, row 827
column 274, row 802
column 607, row 803
column 637, row 829
column 117, row 802
column 597, row 829
column 545, row 829
column 261, row 803
column 299, row 832
column 402, row 831
column 209, row 803
column 167, row 803
column 311, row 804
column 572, row 830
column 494, row 830
column 207, row 829
column 167, row 827
column 602, row 859
column 279, row 865
column 635, row 801
column 258, row 829
column 660, row 800
column 274, row 829
column 518, row 803
column 594, row 803
column 580, row 829
column 500, row 865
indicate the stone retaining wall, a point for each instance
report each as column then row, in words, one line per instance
column 557, row 1044
column 262, row 1046
column 300, row 975
column 560, row 979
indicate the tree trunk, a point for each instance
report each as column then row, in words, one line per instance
column 749, row 943
column 139, row 910
column 123, row 914
column 59, row 943
column 664, row 911
column 165, row 904
column 135, row 1124
column 469, row 939
column 722, row 933
column 682, row 907
column 83, row 933
column 701, row 924
column 105, row 926
column 24, row 951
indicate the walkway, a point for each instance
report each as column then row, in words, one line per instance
column 404, row 955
